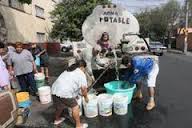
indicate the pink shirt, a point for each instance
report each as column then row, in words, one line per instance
column 4, row 74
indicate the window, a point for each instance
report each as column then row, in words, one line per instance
column 17, row 5
column 39, row 12
column 40, row 37
column 54, row 1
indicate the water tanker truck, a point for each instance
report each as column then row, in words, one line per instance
column 121, row 25
column 123, row 30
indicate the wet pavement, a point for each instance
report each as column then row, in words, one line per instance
column 173, row 92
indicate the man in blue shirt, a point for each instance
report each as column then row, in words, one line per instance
column 141, row 69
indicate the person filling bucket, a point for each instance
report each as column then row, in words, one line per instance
column 65, row 90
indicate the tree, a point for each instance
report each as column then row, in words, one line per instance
column 69, row 16
column 157, row 21
column 190, row 13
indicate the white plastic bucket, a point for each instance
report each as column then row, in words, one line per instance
column 120, row 103
column 39, row 76
column 40, row 79
column 105, row 102
column 45, row 94
column 91, row 108
column 79, row 101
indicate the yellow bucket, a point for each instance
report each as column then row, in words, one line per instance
column 22, row 96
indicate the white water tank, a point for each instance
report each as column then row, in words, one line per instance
column 112, row 19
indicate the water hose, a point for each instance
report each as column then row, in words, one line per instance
column 90, row 87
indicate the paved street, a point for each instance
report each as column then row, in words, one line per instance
column 173, row 109
column 174, row 91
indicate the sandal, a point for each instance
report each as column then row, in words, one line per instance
column 150, row 105
column 83, row 125
column 57, row 122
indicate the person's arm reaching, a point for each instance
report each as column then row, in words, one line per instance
column 84, row 93
column 99, row 62
column 43, row 51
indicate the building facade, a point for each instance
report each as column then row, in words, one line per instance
column 26, row 23
column 181, row 37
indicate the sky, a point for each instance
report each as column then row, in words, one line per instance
column 139, row 5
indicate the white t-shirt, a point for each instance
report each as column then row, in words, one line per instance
column 68, row 84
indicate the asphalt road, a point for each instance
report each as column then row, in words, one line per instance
column 174, row 88
column 173, row 92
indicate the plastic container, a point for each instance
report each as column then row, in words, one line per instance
column 22, row 96
column 37, row 61
column 79, row 101
column 122, row 87
column 45, row 94
column 120, row 104
column 25, row 104
column 91, row 108
column 40, row 79
column 105, row 102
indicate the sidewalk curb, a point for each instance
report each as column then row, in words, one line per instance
column 179, row 52
column 175, row 51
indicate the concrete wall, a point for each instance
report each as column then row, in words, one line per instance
column 24, row 25
column 180, row 42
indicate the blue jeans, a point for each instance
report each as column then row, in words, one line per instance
column 27, row 83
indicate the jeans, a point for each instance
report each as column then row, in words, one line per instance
column 27, row 83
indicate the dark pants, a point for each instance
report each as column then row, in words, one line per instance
column 61, row 103
column 27, row 83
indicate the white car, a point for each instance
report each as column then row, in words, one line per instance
column 157, row 48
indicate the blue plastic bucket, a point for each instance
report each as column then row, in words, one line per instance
column 121, row 87
column 37, row 61
column 24, row 104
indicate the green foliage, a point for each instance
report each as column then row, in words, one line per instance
column 190, row 12
column 69, row 16
column 156, row 22
column 25, row 1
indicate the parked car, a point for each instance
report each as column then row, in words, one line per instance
column 157, row 48
column 66, row 46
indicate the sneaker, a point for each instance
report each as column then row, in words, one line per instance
column 150, row 105
column 83, row 125
column 57, row 122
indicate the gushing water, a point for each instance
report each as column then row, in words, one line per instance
column 116, row 65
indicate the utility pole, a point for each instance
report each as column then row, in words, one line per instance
column 186, row 26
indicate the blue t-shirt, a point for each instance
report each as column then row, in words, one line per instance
column 141, row 67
